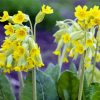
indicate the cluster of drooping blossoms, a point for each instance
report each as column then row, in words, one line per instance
column 79, row 36
column 19, row 52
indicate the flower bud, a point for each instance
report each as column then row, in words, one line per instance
column 39, row 18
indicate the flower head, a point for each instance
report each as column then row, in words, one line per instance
column 79, row 49
column 66, row 38
column 56, row 52
column 18, row 52
column 19, row 18
column 21, row 33
column 47, row 9
column 5, row 16
column 9, row 29
column 81, row 13
column 89, row 42
column 7, row 44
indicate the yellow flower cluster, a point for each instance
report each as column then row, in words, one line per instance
column 87, row 18
column 47, row 9
column 19, row 52
column 77, row 37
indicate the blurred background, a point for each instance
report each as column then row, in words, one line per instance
column 63, row 9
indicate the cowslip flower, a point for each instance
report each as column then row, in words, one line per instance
column 2, row 59
column 79, row 49
column 18, row 52
column 9, row 29
column 66, row 38
column 57, row 52
column 47, row 9
column 5, row 16
column 81, row 13
column 19, row 18
column 21, row 33
column 98, row 57
column 7, row 44
column 89, row 42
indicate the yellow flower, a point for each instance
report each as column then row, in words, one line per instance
column 98, row 57
column 18, row 52
column 5, row 16
column 71, row 54
column 7, row 44
column 89, row 42
column 56, row 52
column 94, row 12
column 30, row 62
column 7, row 71
column 81, row 13
column 35, row 51
column 19, row 18
column 9, row 29
column 36, row 57
column 2, row 59
column 21, row 33
column 66, row 38
column 79, row 49
column 17, row 69
column 47, row 9
column 96, row 21
column 65, row 60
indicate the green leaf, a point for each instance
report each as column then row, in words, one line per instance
column 91, row 92
column 46, row 89
column 96, row 95
column 68, row 82
column 53, row 71
column 73, row 68
column 5, row 89
column 86, row 95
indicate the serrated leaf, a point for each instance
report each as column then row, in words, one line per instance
column 46, row 89
column 53, row 71
column 68, row 81
column 5, row 89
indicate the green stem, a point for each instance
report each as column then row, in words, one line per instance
column 82, row 74
column 20, row 77
column 62, row 56
column 31, row 27
column 34, row 84
column 81, row 79
column 35, row 32
column 94, row 63
column 80, row 69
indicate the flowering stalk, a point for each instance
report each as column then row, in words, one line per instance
column 62, row 57
column 34, row 69
column 81, row 79
column 34, row 84
column 20, row 77
column 82, row 74
column 79, row 69
column 94, row 63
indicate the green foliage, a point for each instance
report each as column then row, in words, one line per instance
column 46, row 89
column 53, row 71
column 5, row 89
column 68, row 84
column 72, row 68
column 92, row 91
